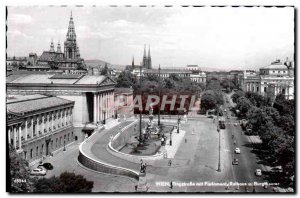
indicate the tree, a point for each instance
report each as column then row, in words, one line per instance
column 284, row 106
column 243, row 105
column 213, row 84
column 175, row 77
column 126, row 79
column 208, row 101
column 65, row 183
column 104, row 71
column 228, row 85
column 237, row 95
column 19, row 173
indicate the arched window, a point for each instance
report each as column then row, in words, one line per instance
column 70, row 54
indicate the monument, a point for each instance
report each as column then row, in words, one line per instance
column 142, row 185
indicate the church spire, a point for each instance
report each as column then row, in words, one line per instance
column 52, row 46
column 132, row 62
column 149, row 59
column 144, row 51
column 71, row 35
column 58, row 47
column 149, row 56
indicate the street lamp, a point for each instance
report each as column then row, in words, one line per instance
column 64, row 145
column 104, row 112
column 171, row 138
column 178, row 122
column 158, row 123
column 219, row 163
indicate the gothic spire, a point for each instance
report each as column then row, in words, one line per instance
column 58, row 47
column 149, row 56
column 52, row 46
column 132, row 62
column 144, row 51
column 71, row 35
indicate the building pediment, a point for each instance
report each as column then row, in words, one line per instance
column 107, row 81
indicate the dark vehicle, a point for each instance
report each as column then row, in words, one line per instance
column 235, row 161
column 48, row 166
column 222, row 124
column 210, row 116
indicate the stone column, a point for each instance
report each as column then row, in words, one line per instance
column 113, row 103
column 101, row 106
column 26, row 132
column 43, row 125
column 15, row 137
column 52, row 121
column 32, row 128
column 71, row 115
column 95, row 108
column 65, row 117
column 9, row 138
column 98, row 108
column 61, row 118
column 37, row 126
column 20, row 135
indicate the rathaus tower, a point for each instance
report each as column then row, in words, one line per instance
column 71, row 50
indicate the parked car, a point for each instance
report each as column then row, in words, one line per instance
column 235, row 124
column 235, row 161
column 47, row 166
column 258, row 172
column 237, row 151
column 210, row 116
column 39, row 171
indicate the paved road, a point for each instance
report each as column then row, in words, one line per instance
column 244, row 172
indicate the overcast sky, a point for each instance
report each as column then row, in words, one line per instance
column 225, row 38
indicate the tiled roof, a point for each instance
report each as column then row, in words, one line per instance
column 123, row 90
column 90, row 80
column 36, row 104
column 19, row 98
column 66, row 76
column 48, row 78
column 50, row 56
column 275, row 66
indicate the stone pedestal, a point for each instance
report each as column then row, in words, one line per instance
column 142, row 185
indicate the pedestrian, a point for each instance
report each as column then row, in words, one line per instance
column 185, row 140
column 171, row 185
column 170, row 163
column 135, row 187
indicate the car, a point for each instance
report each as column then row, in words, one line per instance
column 237, row 151
column 235, row 161
column 258, row 172
column 47, row 166
column 39, row 171
column 210, row 116
column 235, row 124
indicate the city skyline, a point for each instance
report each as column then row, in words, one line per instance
column 208, row 36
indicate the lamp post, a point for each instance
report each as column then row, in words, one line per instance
column 158, row 123
column 178, row 122
column 64, row 145
column 140, row 137
column 104, row 112
column 171, row 138
column 219, row 163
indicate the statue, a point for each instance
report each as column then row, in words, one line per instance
column 143, row 167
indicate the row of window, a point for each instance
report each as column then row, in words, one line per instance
column 45, row 149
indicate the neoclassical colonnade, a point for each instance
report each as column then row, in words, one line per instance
column 38, row 125
column 104, row 105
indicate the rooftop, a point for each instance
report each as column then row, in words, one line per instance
column 34, row 103
column 48, row 78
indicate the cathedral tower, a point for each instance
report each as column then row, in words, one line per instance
column 52, row 46
column 149, row 66
column 70, row 45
